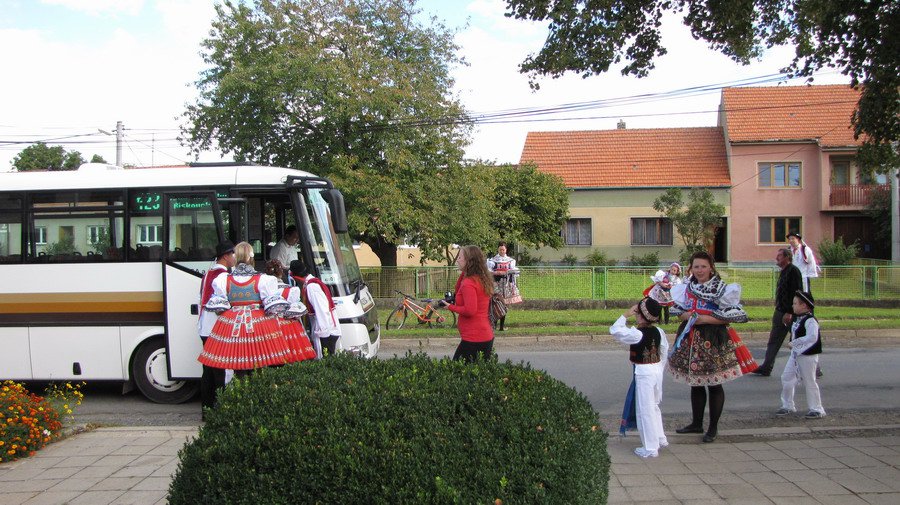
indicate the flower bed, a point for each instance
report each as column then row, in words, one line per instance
column 29, row 421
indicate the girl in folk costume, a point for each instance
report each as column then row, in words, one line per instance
column 707, row 352
column 504, row 270
column 290, row 324
column 648, row 348
column 246, row 334
column 661, row 288
column 806, row 345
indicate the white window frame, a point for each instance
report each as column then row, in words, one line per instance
column 144, row 234
column 787, row 227
column 40, row 235
column 581, row 221
column 93, row 233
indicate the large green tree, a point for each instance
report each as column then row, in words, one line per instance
column 338, row 88
column 40, row 156
column 695, row 220
column 858, row 37
column 532, row 206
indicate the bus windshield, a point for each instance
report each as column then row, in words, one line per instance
column 332, row 252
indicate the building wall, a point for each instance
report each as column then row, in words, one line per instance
column 610, row 212
column 407, row 256
column 749, row 201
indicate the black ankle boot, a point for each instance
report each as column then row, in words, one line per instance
column 710, row 436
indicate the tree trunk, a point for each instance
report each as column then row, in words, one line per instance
column 387, row 253
column 387, row 277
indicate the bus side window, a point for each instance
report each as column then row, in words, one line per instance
column 10, row 229
column 70, row 226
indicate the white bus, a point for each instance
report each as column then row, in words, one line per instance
column 100, row 267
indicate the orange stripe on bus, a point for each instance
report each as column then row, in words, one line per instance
column 147, row 301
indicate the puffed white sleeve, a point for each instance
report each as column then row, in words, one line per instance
column 218, row 302
column 296, row 307
column 621, row 332
column 679, row 297
column 658, row 276
column 270, row 293
column 730, row 305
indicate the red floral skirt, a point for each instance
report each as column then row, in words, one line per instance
column 244, row 338
column 297, row 340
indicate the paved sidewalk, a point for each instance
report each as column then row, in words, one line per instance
column 135, row 465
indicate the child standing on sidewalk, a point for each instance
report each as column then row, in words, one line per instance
column 648, row 350
column 806, row 345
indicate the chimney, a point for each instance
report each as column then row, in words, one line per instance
column 620, row 125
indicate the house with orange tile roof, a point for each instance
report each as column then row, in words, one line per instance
column 791, row 155
column 615, row 175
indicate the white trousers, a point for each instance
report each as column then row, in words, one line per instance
column 648, row 395
column 801, row 368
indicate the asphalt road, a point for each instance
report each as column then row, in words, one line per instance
column 861, row 387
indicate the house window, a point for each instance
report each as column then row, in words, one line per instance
column 779, row 175
column 651, row 231
column 775, row 229
column 96, row 233
column 40, row 235
column 150, row 234
column 578, row 232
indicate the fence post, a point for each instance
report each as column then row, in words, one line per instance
column 416, row 282
column 605, row 283
column 593, row 283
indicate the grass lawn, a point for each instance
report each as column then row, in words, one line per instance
column 592, row 322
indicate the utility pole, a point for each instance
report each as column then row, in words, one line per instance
column 120, row 129
column 895, row 215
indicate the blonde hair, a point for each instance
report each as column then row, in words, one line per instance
column 475, row 265
column 243, row 253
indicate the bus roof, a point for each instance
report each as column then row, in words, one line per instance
column 99, row 175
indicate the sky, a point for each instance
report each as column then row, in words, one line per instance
column 73, row 68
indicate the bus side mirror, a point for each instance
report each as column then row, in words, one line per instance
column 338, row 213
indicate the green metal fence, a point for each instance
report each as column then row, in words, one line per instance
column 855, row 282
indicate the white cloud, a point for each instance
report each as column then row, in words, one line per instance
column 100, row 7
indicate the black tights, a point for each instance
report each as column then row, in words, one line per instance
column 698, row 405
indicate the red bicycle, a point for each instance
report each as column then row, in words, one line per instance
column 426, row 312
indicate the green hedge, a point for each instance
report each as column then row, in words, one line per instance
column 407, row 430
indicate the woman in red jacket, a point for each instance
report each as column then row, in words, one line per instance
column 473, row 294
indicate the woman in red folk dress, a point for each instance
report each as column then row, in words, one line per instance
column 707, row 351
column 290, row 324
column 247, row 334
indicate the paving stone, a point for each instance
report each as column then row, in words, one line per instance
column 877, row 450
column 96, row 471
column 740, row 467
column 16, row 498
column 639, row 480
column 135, row 471
column 761, row 477
column 742, row 491
column 856, row 481
column 804, row 453
column 720, row 478
column 672, row 480
column 779, row 489
column 822, row 487
column 847, row 499
column 761, row 500
column 707, row 468
column 115, row 460
column 822, row 463
column 789, row 444
column 843, row 450
column 45, row 462
column 645, row 494
column 75, row 484
column 28, row 486
column 820, row 443
column 116, row 484
column 801, row 475
column 732, row 455
column 692, row 491
column 618, row 495
column 881, row 498
column 95, row 498
column 138, row 497
column 52, row 498
column 859, row 461
column 779, row 465
column 153, row 484
column 57, row 473
column 794, row 500
column 79, row 461
column 767, row 454
column 858, row 442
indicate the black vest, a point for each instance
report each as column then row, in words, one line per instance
column 646, row 351
column 801, row 332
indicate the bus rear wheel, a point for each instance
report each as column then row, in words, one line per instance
column 150, row 372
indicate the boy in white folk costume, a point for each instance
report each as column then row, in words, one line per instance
column 806, row 345
column 648, row 350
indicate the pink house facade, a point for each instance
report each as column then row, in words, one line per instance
column 791, row 157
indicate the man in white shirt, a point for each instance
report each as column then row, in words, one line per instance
column 804, row 259
column 285, row 251
column 326, row 329
column 213, row 378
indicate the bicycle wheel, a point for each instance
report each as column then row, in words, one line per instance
column 396, row 319
column 442, row 318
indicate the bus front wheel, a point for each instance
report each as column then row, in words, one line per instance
column 150, row 372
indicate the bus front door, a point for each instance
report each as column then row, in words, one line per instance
column 192, row 226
